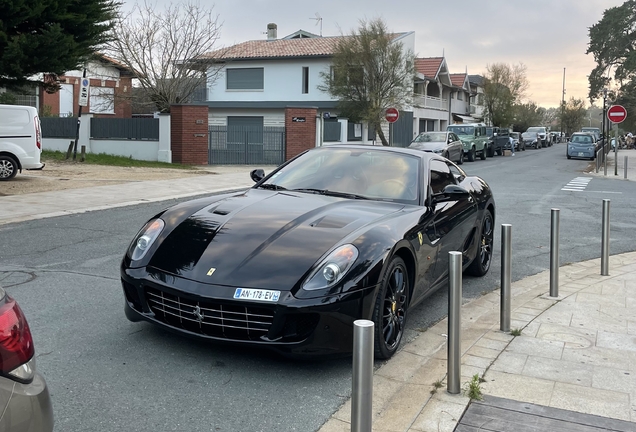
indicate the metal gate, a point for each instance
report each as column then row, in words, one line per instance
column 246, row 145
column 402, row 130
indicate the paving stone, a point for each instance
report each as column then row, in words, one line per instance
column 599, row 402
column 511, row 363
column 439, row 416
column 536, row 347
column 518, row 387
column 559, row 371
column 616, row 340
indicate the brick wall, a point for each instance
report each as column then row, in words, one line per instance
column 122, row 98
column 189, row 134
column 300, row 130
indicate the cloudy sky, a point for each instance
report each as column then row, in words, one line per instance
column 545, row 35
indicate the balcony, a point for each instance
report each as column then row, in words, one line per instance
column 421, row 101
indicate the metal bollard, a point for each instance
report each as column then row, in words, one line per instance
column 554, row 252
column 597, row 160
column 362, row 383
column 454, row 321
column 625, row 168
column 506, row 263
column 605, row 164
column 605, row 238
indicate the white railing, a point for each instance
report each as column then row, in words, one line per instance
column 421, row 101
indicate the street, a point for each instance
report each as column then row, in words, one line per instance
column 106, row 373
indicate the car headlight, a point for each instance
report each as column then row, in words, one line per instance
column 145, row 238
column 571, row 147
column 332, row 269
column 438, row 151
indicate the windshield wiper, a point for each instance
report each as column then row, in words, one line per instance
column 272, row 186
column 330, row 193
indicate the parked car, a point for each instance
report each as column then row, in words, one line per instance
column 474, row 139
column 336, row 234
column 498, row 139
column 593, row 130
column 536, row 136
column 446, row 144
column 517, row 142
column 20, row 140
column 25, row 404
column 581, row 145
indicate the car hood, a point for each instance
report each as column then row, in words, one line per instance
column 467, row 138
column 428, row 146
column 263, row 239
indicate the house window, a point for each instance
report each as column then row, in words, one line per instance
column 102, row 100
column 245, row 79
column 460, row 95
column 305, row 80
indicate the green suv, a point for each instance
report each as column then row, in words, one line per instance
column 474, row 139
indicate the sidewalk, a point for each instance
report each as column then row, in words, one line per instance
column 620, row 171
column 576, row 352
column 16, row 208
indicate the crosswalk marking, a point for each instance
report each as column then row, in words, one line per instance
column 577, row 185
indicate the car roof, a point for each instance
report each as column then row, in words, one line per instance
column 379, row 148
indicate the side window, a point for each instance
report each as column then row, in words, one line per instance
column 459, row 175
column 441, row 176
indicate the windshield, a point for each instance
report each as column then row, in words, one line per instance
column 536, row 130
column 430, row 137
column 372, row 174
column 462, row 130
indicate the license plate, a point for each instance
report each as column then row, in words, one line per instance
column 256, row 294
column 580, row 153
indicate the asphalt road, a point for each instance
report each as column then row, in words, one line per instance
column 107, row 374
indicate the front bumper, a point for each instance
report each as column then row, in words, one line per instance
column 293, row 327
column 581, row 152
column 28, row 408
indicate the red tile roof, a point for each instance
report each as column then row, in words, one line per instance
column 428, row 66
column 303, row 47
column 280, row 48
column 458, row 79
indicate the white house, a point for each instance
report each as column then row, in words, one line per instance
column 260, row 78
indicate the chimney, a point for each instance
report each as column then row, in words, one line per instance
column 271, row 31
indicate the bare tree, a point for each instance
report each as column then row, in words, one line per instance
column 371, row 72
column 504, row 86
column 164, row 48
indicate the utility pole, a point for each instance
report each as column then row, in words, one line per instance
column 563, row 102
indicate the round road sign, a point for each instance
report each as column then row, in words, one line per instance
column 392, row 115
column 616, row 113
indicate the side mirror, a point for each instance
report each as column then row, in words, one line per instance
column 450, row 193
column 257, row 175
column 494, row 134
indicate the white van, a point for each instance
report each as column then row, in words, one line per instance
column 20, row 140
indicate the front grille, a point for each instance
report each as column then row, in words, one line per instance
column 210, row 318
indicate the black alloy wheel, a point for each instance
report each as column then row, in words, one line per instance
column 389, row 314
column 481, row 263
column 8, row 167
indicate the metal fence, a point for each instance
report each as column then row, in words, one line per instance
column 331, row 131
column 246, row 145
column 125, row 128
column 58, row 127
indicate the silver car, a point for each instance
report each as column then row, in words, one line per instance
column 25, row 404
column 446, row 144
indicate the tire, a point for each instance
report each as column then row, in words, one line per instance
column 461, row 158
column 471, row 154
column 491, row 151
column 389, row 314
column 483, row 259
column 569, row 157
column 499, row 152
column 8, row 167
column 483, row 154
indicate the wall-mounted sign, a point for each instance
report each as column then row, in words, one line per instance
column 299, row 119
column 199, row 122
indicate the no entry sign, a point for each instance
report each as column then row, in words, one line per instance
column 616, row 113
column 392, row 115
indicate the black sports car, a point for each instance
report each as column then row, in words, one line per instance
column 336, row 234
